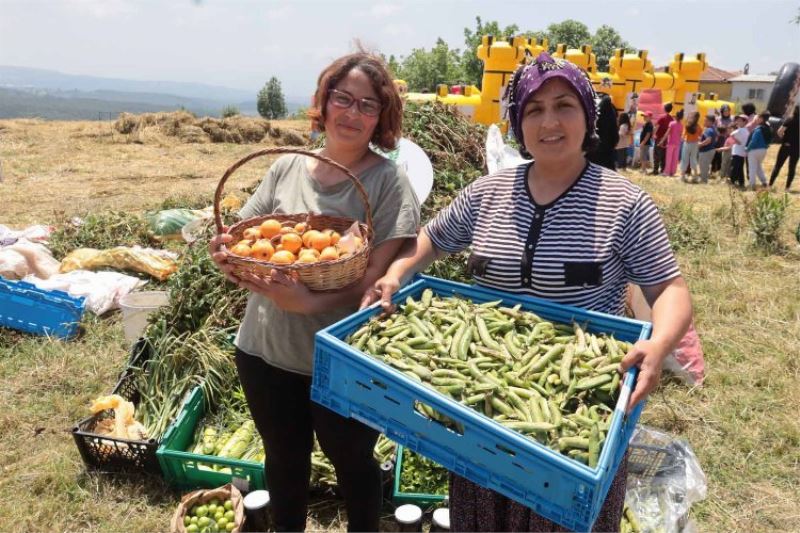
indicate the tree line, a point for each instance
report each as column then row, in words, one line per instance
column 424, row 69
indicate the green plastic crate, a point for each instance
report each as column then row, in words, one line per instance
column 417, row 498
column 185, row 470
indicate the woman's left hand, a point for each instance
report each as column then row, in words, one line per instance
column 285, row 291
column 649, row 357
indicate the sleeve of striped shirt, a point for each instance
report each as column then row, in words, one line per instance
column 646, row 252
column 451, row 230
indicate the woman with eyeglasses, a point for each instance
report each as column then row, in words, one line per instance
column 357, row 103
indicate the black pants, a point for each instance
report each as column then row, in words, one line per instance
column 737, row 170
column 659, row 159
column 287, row 419
column 622, row 158
column 786, row 152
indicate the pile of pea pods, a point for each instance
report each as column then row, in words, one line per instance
column 554, row 383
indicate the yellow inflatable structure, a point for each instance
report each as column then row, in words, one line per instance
column 627, row 76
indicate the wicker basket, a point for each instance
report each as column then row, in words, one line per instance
column 320, row 276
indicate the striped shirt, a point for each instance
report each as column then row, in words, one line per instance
column 581, row 249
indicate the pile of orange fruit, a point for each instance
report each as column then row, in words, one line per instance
column 288, row 243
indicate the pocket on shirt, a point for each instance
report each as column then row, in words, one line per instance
column 476, row 264
column 583, row 274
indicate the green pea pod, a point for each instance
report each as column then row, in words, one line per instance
column 594, row 446
column 566, row 363
column 529, row 426
column 594, row 382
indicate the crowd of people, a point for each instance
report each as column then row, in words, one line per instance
column 696, row 147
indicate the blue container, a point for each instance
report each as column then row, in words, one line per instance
column 555, row 486
column 25, row 307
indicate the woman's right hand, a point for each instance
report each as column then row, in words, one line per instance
column 219, row 257
column 382, row 290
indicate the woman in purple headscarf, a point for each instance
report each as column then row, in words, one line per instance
column 559, row 228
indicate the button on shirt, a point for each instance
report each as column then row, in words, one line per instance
column 581, row 249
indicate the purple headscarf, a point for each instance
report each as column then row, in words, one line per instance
column 529, row 78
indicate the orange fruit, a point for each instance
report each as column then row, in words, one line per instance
column 300, row 227
column 252, row 234
column 291, row 242
column 262, row 249
column 269, row 228
column 307, row 258
column 286, row 229
column 335, row 238
column 246, row 242
column 241, row 249
column 283, row 257
column 329, row 254
column 320, row 242
column 308, row 251
column 279, row 248
column 307, row 236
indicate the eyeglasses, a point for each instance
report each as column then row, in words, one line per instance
column 343, row 100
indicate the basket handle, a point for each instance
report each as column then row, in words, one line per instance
column 280, row 150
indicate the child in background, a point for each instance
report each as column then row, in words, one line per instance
column 757, row 150
column 725, row 133
column 691, row 136
column 738, row 150
column 625, row 140
column 706, row 147
column 672, row 143
column 645, row 138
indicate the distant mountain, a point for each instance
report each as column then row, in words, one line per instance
column 29, row 92
column 23, row 77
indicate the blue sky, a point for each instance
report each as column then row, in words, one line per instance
column 240, row 43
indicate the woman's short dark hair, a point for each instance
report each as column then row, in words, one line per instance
column 390, row 121
column 748, row 108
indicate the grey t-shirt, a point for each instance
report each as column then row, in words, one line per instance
column 285, row 339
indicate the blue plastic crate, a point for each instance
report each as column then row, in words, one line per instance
column 25, row 307
column 557, row 487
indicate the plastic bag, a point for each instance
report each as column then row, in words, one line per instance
column 199, row 497
column 38, row 259
column 122, row 425
column 686, row 361
column 13, row 265
column 498, row 154
column 157, row 263
column 664, row 480
column 36, row 233
column 102, row 290
column 168, row 223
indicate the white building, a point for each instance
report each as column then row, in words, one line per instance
column 754, row 88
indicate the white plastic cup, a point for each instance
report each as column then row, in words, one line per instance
column 256, row 508
column 409, row 517
column 136, row 307
column 441, row 519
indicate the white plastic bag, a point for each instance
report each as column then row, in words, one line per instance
column 498, row 154
column 102, row 290
column 13, row 265
column 37, row 260
column 661, row 499
column 37, row 233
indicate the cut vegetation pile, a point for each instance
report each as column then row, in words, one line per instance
column 188, row 128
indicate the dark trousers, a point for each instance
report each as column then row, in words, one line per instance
column 287, row 419
column 659, row 159
column 622, row 158
column 737, row 170
column 786, row 152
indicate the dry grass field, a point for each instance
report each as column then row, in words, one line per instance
column 743, row 423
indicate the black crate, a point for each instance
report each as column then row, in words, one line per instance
column 115, row 455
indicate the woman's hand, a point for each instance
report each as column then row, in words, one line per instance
column 382, row 290
column 219, row 258
column 286, row 291
column 649, row 357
